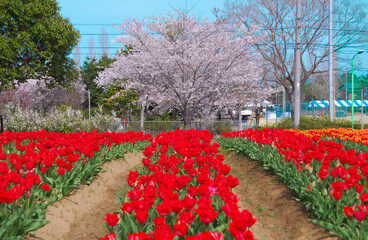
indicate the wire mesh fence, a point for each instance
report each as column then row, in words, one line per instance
column 270, row 114
column 279, row 112
column 215, row 127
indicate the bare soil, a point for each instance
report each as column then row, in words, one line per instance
column 262, row 192
column 80, row 214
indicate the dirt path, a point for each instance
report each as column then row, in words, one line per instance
column 79, row 215
column 268, row 199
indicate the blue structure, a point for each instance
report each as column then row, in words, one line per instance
column 338, row 103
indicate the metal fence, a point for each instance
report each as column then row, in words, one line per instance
column 156, row 127
column 280, row 112
column 271, row 114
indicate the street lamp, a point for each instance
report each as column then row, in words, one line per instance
column 352, row 88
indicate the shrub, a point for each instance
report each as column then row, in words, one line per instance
column 217, row 128
column 62, row 120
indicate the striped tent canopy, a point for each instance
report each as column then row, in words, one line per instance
column 338, row 103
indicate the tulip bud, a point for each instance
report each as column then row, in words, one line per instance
column 325, row 192
column 365, row 209
column 357, row 196
column 319, row 180
column 307, row 167
column 310, row 170
column 313, row 184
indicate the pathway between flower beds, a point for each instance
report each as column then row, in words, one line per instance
column 279, row 216
column 79, row 216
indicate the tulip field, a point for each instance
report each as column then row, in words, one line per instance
column 183, row 192
column 184, row 188
column 328, row 170
column 39, row 168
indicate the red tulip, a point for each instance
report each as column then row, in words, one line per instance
column 139, row 236
column 189, row 203
column 112, row 219
column 60, row 171
column 141, row 216
column 359, row 188
column 46, row 187
column 335, row 194
column 163, row 209
column 360, row 215
column 177, row 205
column 127, row 207
column 180, row 229
column 364, row 197
column 193, row 191
column 348, row 211
column 110, row 236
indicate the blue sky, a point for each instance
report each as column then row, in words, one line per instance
column 90, row 16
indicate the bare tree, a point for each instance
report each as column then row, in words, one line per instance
column 91, row 46
column 277, row 20
column 104, row 42
column 76, row 55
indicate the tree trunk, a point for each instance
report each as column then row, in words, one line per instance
column 187, row 123
column 232, row 114
column 142, row 116
column 187, row 118
column 240, row 119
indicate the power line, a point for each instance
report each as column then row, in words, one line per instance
column 96, row 24
column 108, row 34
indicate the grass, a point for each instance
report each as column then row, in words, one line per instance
column 259, row 208
column 241, row 176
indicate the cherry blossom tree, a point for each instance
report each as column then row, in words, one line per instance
column 184, row 63
column 34, row 93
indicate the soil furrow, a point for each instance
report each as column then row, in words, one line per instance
column 80, row 214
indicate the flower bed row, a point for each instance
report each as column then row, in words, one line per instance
column 39, row 168
column 330, row 180
column 182, row 192
column 351, row 135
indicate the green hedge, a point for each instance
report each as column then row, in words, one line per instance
column 314, row 122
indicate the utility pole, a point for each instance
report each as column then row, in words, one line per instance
column 297, row 68
column 331, row 86
column 277, row 100
column 346, row 91
column 283, row 101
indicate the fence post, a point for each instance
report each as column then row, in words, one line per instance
column 2, row 123
column 362, row 109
